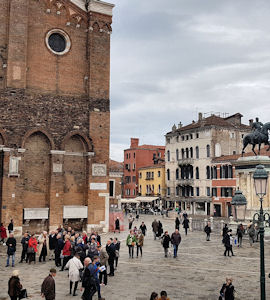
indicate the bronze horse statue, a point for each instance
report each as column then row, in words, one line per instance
column 257, row 137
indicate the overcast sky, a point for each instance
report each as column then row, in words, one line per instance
column 171, row 59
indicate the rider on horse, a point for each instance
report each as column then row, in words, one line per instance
column 256, row 127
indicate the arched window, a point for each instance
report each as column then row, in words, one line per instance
column 207, row 172
column 177, row 174
column 191, row 172
column 197, row 152
column 183, row 153
column 191, row 152
column 215, row 172
column 197, row 173
column 168, row 155
column 230, row 172
column 226, row 171
column 168, row 174
column 177, row 154
column 208, row 150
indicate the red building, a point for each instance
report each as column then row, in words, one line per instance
column 135, row 158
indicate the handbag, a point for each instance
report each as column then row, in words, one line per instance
column 30, row 250
column 23, row 294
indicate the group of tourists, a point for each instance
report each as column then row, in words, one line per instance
column 82, row 255
column 163, row 296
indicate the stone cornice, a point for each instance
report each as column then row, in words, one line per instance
column 95, row 6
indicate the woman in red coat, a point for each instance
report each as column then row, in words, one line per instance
column 32, row 248
column 66, row 251
column 3, row 233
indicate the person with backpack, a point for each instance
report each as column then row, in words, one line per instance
column 88, row 281
column 208, row 230
column 166, row 243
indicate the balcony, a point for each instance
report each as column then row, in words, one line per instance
column 185, row 161
column 185, row 181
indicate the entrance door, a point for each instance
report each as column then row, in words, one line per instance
column 208, row 209
column 217, row 210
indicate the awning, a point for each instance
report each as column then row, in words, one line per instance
column 146, row 199
column 123, row 200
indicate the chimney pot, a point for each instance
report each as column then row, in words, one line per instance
column 200, row 116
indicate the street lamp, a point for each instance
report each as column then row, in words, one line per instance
column 239, row 202
column 260, row 177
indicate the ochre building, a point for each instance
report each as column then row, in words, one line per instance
column 55, row 113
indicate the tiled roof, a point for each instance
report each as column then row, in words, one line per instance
column 116, row 166
column 150, row 147
column 213, row 120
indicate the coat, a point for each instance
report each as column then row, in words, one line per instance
column 177, row 223
column 103, row 256
column 41, row 240
column 74, row 265
column 117, row 224
column 24, row 243
column 48, row 288
column 140, row 240
column 14, row 286
column 3, row 232
column 176, row 239
column 11, row 245
column 32, row 243
column 67, row 248
column 185, row 223
column 207, row 229
column 227, row 291
column 166, row 241
column 155, row 226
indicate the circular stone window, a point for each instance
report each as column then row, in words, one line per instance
column 58, row 41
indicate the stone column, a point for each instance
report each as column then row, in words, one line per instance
column 190, row 224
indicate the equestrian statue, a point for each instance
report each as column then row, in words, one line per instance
column 259, row 135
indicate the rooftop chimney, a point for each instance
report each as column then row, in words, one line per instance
column 250, row 122
column 180, row 125
column 134, row 142
column 200, row 116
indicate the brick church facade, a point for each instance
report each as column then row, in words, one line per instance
column 55, row 113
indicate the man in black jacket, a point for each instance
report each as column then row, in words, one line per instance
column 24, row 243
column 59, row 245
column 166, row 242
column 10, row 226
column 11, row 249
column 88, row 281
column 110, row 248
column 175, row 240
column 52, row 243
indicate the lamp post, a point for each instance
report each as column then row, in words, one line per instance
column 239, row 202
column 260, row 177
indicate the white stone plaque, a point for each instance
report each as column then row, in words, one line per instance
column 14, row 165
column 99, row 170
column 57, row 168
column 100, row 186
column 36, row 213
column 75, row 212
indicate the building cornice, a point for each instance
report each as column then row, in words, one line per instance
column 95, row 6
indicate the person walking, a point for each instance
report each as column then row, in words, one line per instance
column 14, row 286
column 160, row 230
column 227, row 244
column 48, row 286
column 74, row 266
column 227, row 290
column 66, row 252
column 177, row 223
column 251, row 233
column 24, row 242
column 52, row 244
column 11, row 249
column 103, row 258
column 231, row 242
column 11, row 226
column 208, row 230
column 88, row 281
column 131, row 241
column 3, row 233
column 117, row 251
column 155, row 228
column 186, row 224
column 143, row 228
column 175, row 240
column 32, row 249
column 139, row 243
column 240, row 232
column 117, row 225
column 43, row 246
column 225, row 230
column 166, row 243
column 111, row 252
column 130, row 221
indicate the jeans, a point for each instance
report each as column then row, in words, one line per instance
column 131, row 251
column 13, row 259
column 98, row 288
column 175, row 249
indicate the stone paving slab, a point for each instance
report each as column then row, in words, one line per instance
column 197, row 273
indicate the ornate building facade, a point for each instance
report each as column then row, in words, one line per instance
column 55, row 113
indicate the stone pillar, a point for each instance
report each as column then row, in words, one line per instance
column 190, row 224
column 107, row 211
column 56, row 189
column 205, row 208
column 194, row 208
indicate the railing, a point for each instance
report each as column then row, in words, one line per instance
column 185, row 161
column 185, row 181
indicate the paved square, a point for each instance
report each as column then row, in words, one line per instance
column 197, row 273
